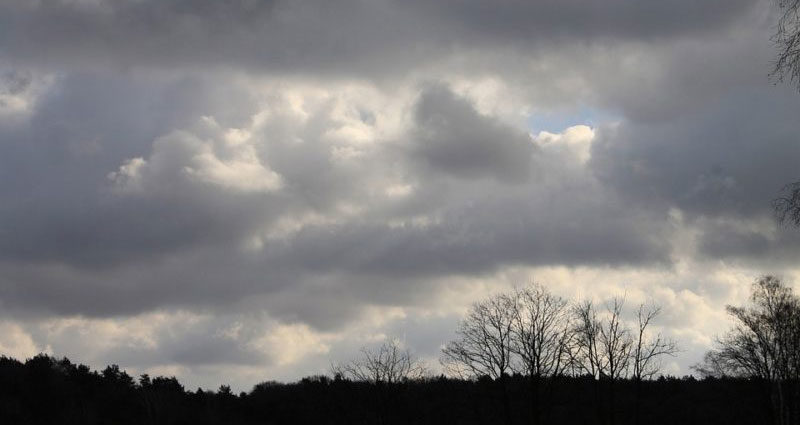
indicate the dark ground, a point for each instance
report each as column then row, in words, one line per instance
column 45, row 390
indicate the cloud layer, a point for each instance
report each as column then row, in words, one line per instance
column 249, row 190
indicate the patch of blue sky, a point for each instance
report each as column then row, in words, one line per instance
column 560, row 120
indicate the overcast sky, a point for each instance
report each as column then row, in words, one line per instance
column 242, row 190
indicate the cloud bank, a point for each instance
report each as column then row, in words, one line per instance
column 248, row 190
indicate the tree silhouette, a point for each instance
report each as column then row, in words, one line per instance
column 787, row 67
column 787, row 41
column 389, row 363
column 763, row 344
column 787, row 206
column 541, row 337
column 484, row 344
column 604, row 349
column 647, row 351
column 603, row 344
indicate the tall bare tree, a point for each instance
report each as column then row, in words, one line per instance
column 787, row 68
column 541, row 331
column 603, row 349
column 647, row 351
column 787, row 205
column 787, row 41
column 586, row 356
column 484, row 344
column 541, row 337
column 765, row 344
column 603, row 344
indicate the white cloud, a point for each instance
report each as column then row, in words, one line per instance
column 576, row 139
column 16, row 343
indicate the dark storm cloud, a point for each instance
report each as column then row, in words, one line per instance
column 347, row 36
column 760, row 244
column 477, row 238
column 522, row 21
column 452, row 137
column 729, row 158
column 725, row 240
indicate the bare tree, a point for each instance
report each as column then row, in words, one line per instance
column 541, row 336
column 787, row 68
column 764, row 341
column 787, row 206
column 541, row 331
column 390, row 363
column 787, row 41
column 603, row 345
column 603, row 349
column 765, row 344
column 648, row 350
column 484, row 344
column 586, row 355
column 616, row 342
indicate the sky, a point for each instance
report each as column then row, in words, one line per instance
column 239, row 191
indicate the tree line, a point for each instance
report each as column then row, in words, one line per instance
column 45, row 390
column 532, row 336
column 538, row 336
column 522, row 357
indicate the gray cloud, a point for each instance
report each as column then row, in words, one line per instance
column 453, row 138
column 519, row 21
column 189, row 231
column 729, row 158
column 292, row 161
column 343, row 37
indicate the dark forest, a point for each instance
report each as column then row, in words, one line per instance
column 46, row 390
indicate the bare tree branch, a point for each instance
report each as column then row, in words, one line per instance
column 542, row 331
column 648, row 350
column 389, row 363
column 484, row 342
column 787, row 41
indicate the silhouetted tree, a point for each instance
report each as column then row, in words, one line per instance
column 764, row 344
column 389, row 363
column 648, row 350
column 541, row 331
column 787, row 67
column 603, row 344
column 386, row 366
column 787, row 206
column 484, row 344
column 485, row 340
column 787, row 41
column 541, row 337
column 603, row 349
column 45, row 390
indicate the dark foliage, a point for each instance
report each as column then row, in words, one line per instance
column 46, row 390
